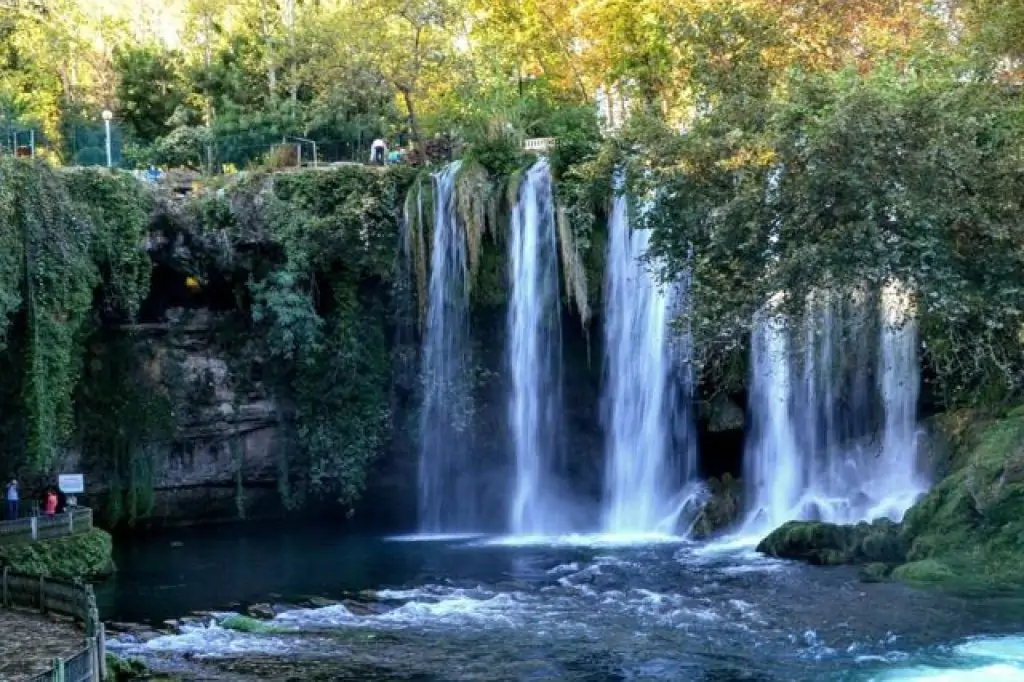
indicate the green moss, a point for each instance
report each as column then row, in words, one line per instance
column 84, row 555
column 830, row 544
column 242, row 623
column 924, row 571
column 973, row 521
column 121, row 669
column 875, row 572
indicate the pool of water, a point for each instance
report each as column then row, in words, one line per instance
column 588, row 608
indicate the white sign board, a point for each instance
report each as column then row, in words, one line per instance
column 71, row 484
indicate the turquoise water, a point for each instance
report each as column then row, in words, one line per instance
column 571, row 608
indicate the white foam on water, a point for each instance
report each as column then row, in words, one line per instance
column 456, row 607
column 434, row 537
column 989, row 673
column 585, row 540
column 208, row 641
column 992, row 659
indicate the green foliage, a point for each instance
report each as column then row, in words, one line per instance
column 59, row 276
column 85, row 555
column 150, row 88
column 853, row 182
column 118, row 206
column 318, row 317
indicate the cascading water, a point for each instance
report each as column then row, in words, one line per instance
column 834, row 445
column 534, row 346
column 900, row 480
column 448, row 494
column 644, row 400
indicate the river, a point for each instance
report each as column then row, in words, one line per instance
column 585, row 608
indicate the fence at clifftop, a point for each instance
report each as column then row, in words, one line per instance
column 75, row 520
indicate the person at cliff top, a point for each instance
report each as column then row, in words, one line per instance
column 12, row 500
column 51, row 503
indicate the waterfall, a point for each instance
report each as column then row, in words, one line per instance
column 447, row 486
column 642, row 398
column 771, row 461
column 534, row 347
column 833, row 424
column 900, row 479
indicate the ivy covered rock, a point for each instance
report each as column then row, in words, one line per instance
column 970, row 527
column 830, row 544
column 83, row 555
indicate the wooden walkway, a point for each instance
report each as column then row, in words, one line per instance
column 29, row 641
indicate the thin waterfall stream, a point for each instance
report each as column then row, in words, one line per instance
column 645, row 402
column 534, row 357
column 447, row 486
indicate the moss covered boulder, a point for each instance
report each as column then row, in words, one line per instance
column 83, row 555
column 722, row 508
column 830, row 544
column 970, row 527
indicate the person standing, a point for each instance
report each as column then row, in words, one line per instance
column 51, row 503
column 378, row 151
column 11, row 498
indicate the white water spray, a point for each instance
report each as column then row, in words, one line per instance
column 534, row 346
column 448, row 494
column 643, row 397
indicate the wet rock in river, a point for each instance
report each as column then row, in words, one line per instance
column 261, row 611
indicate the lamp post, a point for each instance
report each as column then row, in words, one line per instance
column 107, row 115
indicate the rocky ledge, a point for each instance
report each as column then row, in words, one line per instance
column 967, row 533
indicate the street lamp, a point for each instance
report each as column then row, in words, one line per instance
column 107, row 115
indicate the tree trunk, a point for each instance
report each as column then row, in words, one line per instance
column 414, row 130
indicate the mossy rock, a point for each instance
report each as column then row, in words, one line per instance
column 722, row 508
column 121, row 669
column 924, row 571
column 830, row 544
column 86, row 555
column 874, row 572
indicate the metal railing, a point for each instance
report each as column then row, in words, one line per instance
column 76, row 520
column 67, row 599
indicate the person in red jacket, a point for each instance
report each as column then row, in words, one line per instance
column 50, row 507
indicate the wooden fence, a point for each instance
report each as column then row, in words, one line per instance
column 46, row 527
column 68, row 599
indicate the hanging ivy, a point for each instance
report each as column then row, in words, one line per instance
column 59, row 277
